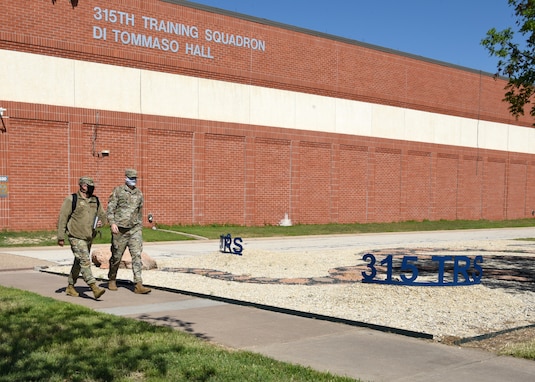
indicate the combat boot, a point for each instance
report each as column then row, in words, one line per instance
column 112, row 285
column 70, row 291
column 97, row 292
column 140, row 289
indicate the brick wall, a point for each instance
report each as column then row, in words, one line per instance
column 192, row 176
column 292, row 61
column 203, row 172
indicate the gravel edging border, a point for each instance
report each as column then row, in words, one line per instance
column 298, row 313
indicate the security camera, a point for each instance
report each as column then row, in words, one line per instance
column 105, row 153
column 2, row 111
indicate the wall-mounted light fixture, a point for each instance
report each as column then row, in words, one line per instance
column 105, row 153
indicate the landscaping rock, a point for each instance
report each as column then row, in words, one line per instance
column 101, row 259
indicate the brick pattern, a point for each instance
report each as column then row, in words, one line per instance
column 516, row 189
column 203, row 172
column 224, row 179
column 315, row 183
column 354, row 180
column 170, row 175
column 387, row 185
column 445, row 186
column 292, row 60
column 272, row 180
column 190, row 175
column 416, row 201
column 494, row 189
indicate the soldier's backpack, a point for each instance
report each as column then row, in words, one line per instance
column 75, row 200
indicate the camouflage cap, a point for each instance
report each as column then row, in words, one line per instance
column 86, row 180
column 130, row 173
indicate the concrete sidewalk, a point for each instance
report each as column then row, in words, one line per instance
column 340, row 349
column 326, row 346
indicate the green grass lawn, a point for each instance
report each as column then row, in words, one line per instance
column 42, row 339
column 175, row 233
column 524, row 349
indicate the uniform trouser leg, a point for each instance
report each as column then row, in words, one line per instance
column 75, row 271
column 119, row 242
column 135, row 246
column 133, row 239
column 82, row 262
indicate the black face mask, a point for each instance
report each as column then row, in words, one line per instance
column 90, row 190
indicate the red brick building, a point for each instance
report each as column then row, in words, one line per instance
column 233, row 119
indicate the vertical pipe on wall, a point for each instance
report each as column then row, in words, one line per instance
column 478, row 119
column 140, row 131
column 367, row 188
column 94, row 135
column 477, row 147
column 525, row 188
column 290, row 179
column 4, row 171
column 245, row 182
column 457, row 189
column 96, row 154
column 193, row 173
column 430, row 203
column 69, row 129
column 69, row 169
column 506, row 178
column 331, row 185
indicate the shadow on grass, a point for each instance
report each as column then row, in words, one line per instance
column 42, row 339
column 174, row 323
column 54, row 341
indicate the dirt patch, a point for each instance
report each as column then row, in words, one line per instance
column 497, row 344
column 25, row 240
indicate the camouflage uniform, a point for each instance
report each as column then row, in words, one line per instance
column 125, row 210
column 78, row 226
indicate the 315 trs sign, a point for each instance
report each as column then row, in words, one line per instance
column 461, row 270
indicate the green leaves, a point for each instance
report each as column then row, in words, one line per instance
column 517, row 57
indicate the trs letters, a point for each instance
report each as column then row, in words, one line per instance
column 229, row 245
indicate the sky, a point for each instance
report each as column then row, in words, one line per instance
column 444, row 30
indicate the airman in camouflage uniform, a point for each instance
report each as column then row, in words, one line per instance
column 125, row 217
column 79, row 225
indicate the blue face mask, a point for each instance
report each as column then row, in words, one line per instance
column 131, row 182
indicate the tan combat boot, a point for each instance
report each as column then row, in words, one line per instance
column 140, row 289
column 70, row 291
column 112, row 285
column 97, row 292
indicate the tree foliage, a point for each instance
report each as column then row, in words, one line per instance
column 515, row 49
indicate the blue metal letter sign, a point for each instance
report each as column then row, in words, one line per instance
column 462, row 271
column 225, row 244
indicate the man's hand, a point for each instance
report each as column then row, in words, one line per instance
column 61, row 242
column 114, row 228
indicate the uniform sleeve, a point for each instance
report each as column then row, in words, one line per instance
column 112, row 205
column 102, row 215
column 140, row 211
column 64, row 213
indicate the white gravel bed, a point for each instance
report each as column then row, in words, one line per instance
column 450, row 311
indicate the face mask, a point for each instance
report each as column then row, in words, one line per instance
column 90, row 190
column 131, row 181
